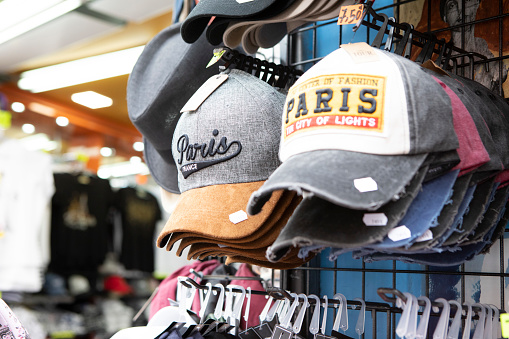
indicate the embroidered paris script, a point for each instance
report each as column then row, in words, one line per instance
column 190, row 151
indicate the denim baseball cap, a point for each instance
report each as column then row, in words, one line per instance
column 349, row 139
column 499, row 229
column 462, row 255
column 225, row 149
column 165, row 76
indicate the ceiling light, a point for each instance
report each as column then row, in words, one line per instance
column 106, row 152
column 138, row 146
column 28, row 128
column 62, row 121
column 80, row 71
column 91, row 99
column 18, row 107
column 20, row 16
column 41, row 109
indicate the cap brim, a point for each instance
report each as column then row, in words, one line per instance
column 262, row 237
column 330, row 175
column 206, row 211
column 321, row 223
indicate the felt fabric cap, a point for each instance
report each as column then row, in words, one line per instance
column 285, row 202
column 262, row 237
column 197, row 20
column 333, row 148
column 317, row 222
column 212, row 218
column 164, row 77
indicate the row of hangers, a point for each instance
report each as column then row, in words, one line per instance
column 402, row 36
column 405, row 37
column 281, row 309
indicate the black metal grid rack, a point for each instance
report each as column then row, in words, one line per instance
column 485, row 279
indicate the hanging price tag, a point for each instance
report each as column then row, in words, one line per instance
column 5, row 119
column 350, row 14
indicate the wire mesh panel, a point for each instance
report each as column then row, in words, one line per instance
column 481, row 28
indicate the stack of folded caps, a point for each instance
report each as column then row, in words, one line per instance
column 222, row 150
column 225, row 147
column 393, row 160
column 255, row 24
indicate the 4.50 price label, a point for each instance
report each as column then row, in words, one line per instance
column 350, row 14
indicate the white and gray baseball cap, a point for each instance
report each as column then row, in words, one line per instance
column 356, row 131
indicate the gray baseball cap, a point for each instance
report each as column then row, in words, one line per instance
column 355, row 132
column 224, row 150
column 166, row 75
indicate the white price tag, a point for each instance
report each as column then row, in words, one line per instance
column 244, row 1
column 238, row 217
column 204, row 92
column 399, row 233
column 365, row 184
column 375, row 219
column 361, row 52
column 428, row 235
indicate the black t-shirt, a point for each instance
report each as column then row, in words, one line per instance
column 80, row 223
column 139, row 213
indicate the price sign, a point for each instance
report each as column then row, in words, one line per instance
column 350, row 14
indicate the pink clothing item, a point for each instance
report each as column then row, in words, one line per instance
column 503, row 178
column 168, row 287
column 257, row 301
column 471, row 149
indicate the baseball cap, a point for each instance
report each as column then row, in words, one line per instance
column 238, row 238
column 359, row 147
column 317, row 222
column 198, row 19
column 117, row 284
column 224, row 150
column 499, row 229
column 163, row 79
column 10, row 326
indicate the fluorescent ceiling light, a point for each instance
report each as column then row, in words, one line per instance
column 20, row 16
column 80, row 71
column 138, row 146
column 106, row 152
column 92, row 99
column 38, row 142
column 41, row 109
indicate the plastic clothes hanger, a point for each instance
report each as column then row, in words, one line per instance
column 479, row 328
column 443, row 321
column 315, row 319
column 488, row 323
column 377, row 42
column 341, row 320
column 300, row 317
column 289, row 315
column 422, row 329
column 237, row 306
column 454, row 330
column 390, row 37
column 412, row 319
column 496, row 330
column 407, row 39
column 248, row 307
column 468, row 321
column 402, row 326
column 359, row 326
column 324, row 319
